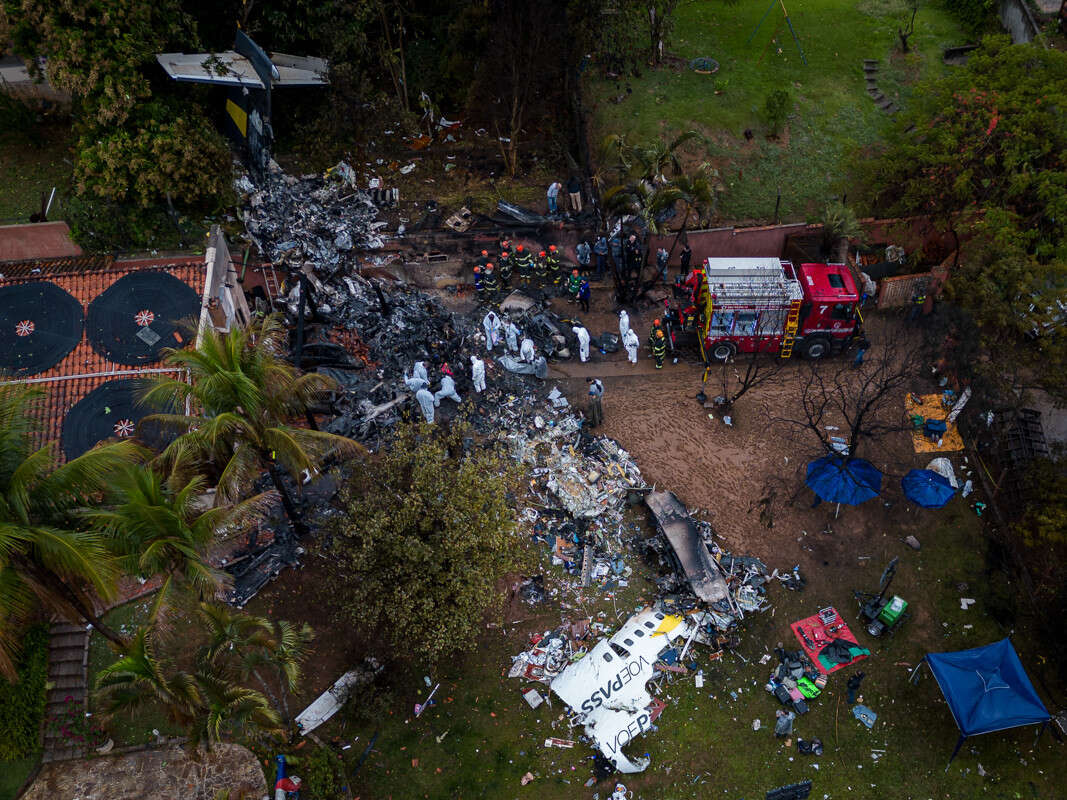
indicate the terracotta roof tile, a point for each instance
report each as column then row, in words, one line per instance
column 84, row 368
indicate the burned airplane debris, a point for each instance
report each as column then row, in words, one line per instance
column 607, row 689
column 688, row 548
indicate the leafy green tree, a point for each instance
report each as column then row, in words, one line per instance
column 173, row 152
column 207, row 703
column 244, row 397
column 97, row 51
column 159, row 529
column 252, row 643
column 980, row 151
column 427, row 536
column 135, row 143
column 45, row 558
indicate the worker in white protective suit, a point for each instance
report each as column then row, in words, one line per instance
column 632, row 344
column 492, row 326
column 448, row 388
column 414, row 382
column 526, row 352
column 511, row 335
column 426, row 404
column 583, row 342
column 624, row 324
column 478, row 374
column 419, row 371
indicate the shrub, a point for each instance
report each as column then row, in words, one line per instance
column 776, row 109
column 974, row 15
column 22, row 702
column 74, row 726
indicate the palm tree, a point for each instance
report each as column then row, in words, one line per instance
column 157, row 528
column 229, row 706
column 44, row 558
column 139, row 678
column 696, row 192
column 244, row 395
column 254, row 642
column 206, row 703
column 839, row 226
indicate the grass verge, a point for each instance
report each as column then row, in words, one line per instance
column 832, row 114
column 481, row 737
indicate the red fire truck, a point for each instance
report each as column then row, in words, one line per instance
column 772, row 306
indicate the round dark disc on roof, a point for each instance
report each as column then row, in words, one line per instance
column 112, row 410
column 139, row 315
column 40, row 324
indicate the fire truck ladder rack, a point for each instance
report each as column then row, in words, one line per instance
column 792, row 322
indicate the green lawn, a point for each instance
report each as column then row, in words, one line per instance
column 705, row 745
column 832, row 114
column 13, row 773
column 31, row 163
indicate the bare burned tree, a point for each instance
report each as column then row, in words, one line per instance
column 747, row 371
column 521, row 74
column 863, row 403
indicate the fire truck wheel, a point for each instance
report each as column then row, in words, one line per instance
column 723, row 351
column 814, row 349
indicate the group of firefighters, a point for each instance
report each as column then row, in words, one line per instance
column 545, row 267
column 547, row 270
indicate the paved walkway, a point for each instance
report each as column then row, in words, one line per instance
column 165, row 774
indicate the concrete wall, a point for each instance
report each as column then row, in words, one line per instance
column 1017, row 20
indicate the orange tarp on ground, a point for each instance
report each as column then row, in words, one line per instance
column 931, row 408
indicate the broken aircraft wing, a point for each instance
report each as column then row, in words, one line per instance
column 606, row 689
column 700, row 569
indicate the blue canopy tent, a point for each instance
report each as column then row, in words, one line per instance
column 927, row 488
column 840, row 480
column 986, row 689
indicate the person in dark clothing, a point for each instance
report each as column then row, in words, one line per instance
column 600, row 250
column 584, row 294
column 574, row 194
column 504, row 263
column 523, row 263
column 659, row 348
column 633, row 253
column 489, row 281
column 479, row 284
column 615, row 245
column 686, row 256
column 863, row 344
column 595, row 409
column 854, row 686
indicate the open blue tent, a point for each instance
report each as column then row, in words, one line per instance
column 840, row 480
column 986, row 689
column 927, row 488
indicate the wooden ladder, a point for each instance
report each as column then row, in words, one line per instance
column 270, row 282
column 792, row 322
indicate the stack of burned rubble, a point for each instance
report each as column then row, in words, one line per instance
column 322, row 219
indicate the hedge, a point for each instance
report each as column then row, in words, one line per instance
column 22, row 703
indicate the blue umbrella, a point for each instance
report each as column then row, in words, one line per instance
column 837, row 480
column 927, row 488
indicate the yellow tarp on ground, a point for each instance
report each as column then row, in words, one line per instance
column 931, row 408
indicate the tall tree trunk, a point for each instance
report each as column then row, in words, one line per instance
column 55, row 584
column 270, row 695
column 287, row 501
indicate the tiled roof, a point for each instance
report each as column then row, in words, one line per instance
column 84, row 368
